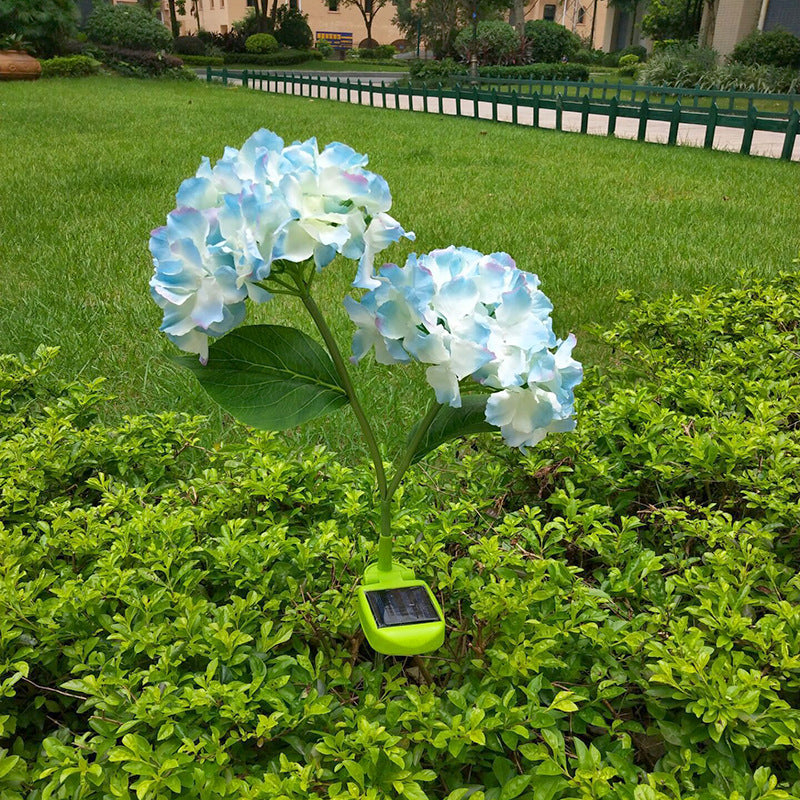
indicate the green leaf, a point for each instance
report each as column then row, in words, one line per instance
column 269, row 376
column 515, row 787
column 451, row 423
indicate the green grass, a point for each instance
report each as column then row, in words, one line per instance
column 91, row 166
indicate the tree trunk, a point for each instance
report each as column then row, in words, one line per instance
column 516, row 16
column 173, row 19
column 594, row 20
column 633, row 23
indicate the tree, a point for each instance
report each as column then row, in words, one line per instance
column 439, row 21
column 368, row 10
column 176, row 7
column 43, row 24
column 673, row 19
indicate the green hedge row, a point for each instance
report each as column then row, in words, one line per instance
column 623, row 603
column 202, row 61
column 69, row 67
column 545, row 72
column 281, row 58
column 447, row 68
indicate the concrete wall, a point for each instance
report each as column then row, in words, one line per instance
column 735, row 20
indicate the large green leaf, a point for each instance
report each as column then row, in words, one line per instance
column 269, row 376
column 450, row 423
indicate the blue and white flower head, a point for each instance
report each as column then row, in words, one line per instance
column 263, row 203
column 473, row 315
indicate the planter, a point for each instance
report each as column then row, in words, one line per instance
column 17, row 65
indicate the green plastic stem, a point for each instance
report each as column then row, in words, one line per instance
column 350, row 391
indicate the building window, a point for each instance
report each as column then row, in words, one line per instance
column 222, row 3
column 367, row 6
column 333, row 5
column 293, row 5
column 211, row 4
column 550, row 12
column 251, row 3
column 223, row 28
column 581, row 15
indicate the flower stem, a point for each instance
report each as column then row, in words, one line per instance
column 350, row 391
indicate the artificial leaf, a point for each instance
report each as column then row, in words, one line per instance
column 269, row 376
column 451, row 423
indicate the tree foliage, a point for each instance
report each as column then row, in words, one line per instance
column 43, row 24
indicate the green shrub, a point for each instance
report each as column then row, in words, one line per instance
column 203, row 61
column 44, row 25
column 434, row 70
column 279, row 59
column 776, row 48
column 681, row 64
column 69, row 67
column 628, row 65
column 622, row 602
column 261, row 43
column 385, row 51
column 496, row 42
column 541, row 72
column 325, row 48
column 548, row 42
column 131, row 27
column 752, row 78
column 142, row 63
column 292, row 28
column 189, row 46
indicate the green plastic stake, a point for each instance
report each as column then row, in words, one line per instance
column 398, row 613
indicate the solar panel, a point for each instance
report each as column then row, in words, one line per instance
column 408, row 605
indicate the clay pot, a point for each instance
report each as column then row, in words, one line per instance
column 17, row 65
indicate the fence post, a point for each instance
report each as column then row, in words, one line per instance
column 457, row 91
column 224, row 76
column 441, row 97
column 494, row 105
column 711, row 126
column 559, row 110
column 514, row 107
column 674, row 121
column 612, row 116
column 644, row 111
column 475, row 100
column 208, row 74
column 585, row 115
column 358, row 89
column 749, row 127
column 536, row 109
column 244, row 79
column 791, row 135
column 425, row 96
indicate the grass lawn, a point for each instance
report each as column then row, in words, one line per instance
column 90, row 166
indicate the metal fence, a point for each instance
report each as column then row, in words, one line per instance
column 612, row 101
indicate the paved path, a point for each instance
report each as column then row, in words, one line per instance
column 765, row 143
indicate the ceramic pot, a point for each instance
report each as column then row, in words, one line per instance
column 17, row 65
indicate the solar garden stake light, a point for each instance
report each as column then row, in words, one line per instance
column 264, row 221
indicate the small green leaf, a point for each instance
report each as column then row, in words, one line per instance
column 451, row 423
column 515, row 787
column 269, row 376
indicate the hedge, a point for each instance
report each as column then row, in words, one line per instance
column 281, row 58
column 69, row 67
column 622, row 603
column 203, row 61
column 437, row 70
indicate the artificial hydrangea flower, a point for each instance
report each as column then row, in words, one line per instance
column 472, row 315
column 256, row 205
